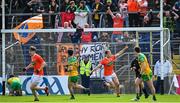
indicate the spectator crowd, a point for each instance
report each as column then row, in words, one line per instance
column 101, row 13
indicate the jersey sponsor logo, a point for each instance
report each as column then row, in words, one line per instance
column 110, row 63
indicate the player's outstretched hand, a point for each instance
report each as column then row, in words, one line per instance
column 133, row 68
column 126, row 47
column 91, row 73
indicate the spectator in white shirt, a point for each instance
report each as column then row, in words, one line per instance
column 160, row 85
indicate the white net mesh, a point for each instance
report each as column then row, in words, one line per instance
column 53, row 44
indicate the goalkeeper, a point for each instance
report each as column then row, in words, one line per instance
column 14, row 85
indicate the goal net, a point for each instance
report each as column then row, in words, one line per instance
column 52, row 45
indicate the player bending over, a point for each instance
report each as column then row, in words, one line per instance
column 38, row 64
column 109, row 74
column 145, row 74
column 14, row 85
column 73, row 74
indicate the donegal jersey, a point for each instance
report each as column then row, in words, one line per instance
column 13, row 80
column 72, row 66
column 108, row 65
column 14, row 83
column 37, row 61
column 142, row 58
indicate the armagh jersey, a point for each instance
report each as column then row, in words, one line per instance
column 108, row 65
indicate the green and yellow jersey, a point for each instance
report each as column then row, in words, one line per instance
column 73, row 66
column 13, row 80
column 142, row 58
column 14, row 83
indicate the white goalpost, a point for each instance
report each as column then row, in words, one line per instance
column 3, row 47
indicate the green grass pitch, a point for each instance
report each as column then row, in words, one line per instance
column 94, row 98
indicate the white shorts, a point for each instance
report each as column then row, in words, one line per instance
column 110, row 77
column 36, row 79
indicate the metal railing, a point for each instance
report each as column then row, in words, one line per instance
column 12, row 26
column 10, row 8
column 49, row 14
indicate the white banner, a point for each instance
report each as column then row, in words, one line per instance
column 81, row 19
column 57, row 84
column 95, row 52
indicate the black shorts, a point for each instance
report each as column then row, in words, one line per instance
column 138, row 75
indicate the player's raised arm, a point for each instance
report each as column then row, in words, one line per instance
column 121, row 52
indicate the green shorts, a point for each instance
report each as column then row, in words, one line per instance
column 16, row 86
column 73, row 79
column 146, row 77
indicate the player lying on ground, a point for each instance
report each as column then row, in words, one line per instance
column 73, row 66
column 145, row 74
column 38, row 64
column 109, row 74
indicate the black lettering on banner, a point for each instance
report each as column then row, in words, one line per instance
column 92, row 48
column 98, row 47
column 94, row 52
column 96, row 56
column 84, row 49
column 91, row 56
column 101, row 56
column 93, row 63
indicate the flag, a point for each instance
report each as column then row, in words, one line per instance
column 35, row 22
column 175, row 81
column 66, row 17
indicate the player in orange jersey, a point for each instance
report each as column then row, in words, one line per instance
column 38, row 64
column 109, row 74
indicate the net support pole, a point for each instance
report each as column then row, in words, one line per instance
column 161, row 54
column 151, row 49
column 137, row 39
column 161, row 39
column 3, row 48
column 12, row 45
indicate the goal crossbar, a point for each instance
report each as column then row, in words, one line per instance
column 145, row 29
